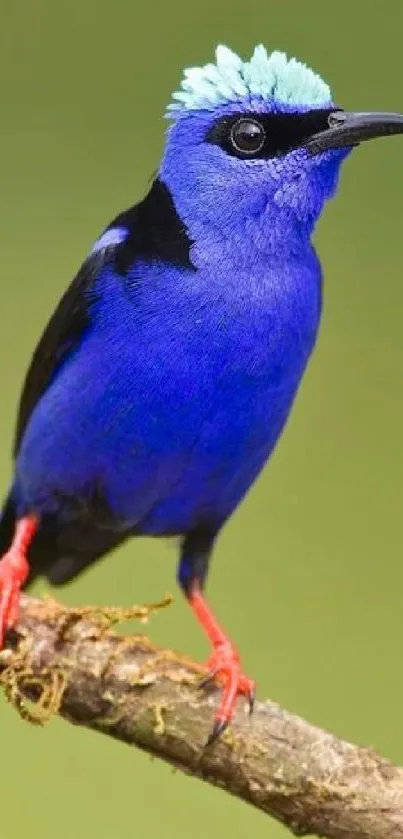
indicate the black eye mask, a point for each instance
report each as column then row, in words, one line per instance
column 251, row 136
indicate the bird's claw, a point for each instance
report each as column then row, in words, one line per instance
column 224, row 665
column 207, row 679
column 218, row 728
column 252, row 697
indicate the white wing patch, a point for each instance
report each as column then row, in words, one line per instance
column 114, row 236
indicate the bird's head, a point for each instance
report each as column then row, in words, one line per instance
column 258, row 144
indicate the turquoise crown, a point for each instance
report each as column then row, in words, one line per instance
column 265, row 76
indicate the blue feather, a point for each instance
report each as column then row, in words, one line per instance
column 178, row 387
column 166, row 375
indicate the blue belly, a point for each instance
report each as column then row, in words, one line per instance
column 170, row 406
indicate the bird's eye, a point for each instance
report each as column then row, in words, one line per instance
column 247, row 136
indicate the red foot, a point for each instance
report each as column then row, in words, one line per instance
column 14, row 570
column 224, row 665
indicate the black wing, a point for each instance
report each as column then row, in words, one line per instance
column 61, row 335
column 153, row 230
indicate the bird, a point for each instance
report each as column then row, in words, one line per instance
column 165, row 377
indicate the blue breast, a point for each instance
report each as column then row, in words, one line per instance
column 177, row 393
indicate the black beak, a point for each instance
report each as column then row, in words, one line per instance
column 350, row 129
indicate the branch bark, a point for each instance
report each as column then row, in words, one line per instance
column 71, row 662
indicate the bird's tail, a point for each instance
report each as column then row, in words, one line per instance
column 60, row 549
column 7, row 525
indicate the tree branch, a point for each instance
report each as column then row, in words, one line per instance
column 70, row 662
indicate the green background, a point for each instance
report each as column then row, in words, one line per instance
column 308, row 574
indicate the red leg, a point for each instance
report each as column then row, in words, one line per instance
column 14, row 570
column 224, row 664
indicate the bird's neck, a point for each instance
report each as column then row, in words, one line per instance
column 271, row 236
column 219, row 231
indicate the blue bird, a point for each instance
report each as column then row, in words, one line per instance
column 164, row 378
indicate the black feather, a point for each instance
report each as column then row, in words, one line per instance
column 69, row 541
column 155, row 231
column 61, row 335
column 7, row 525
column 84, row 529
